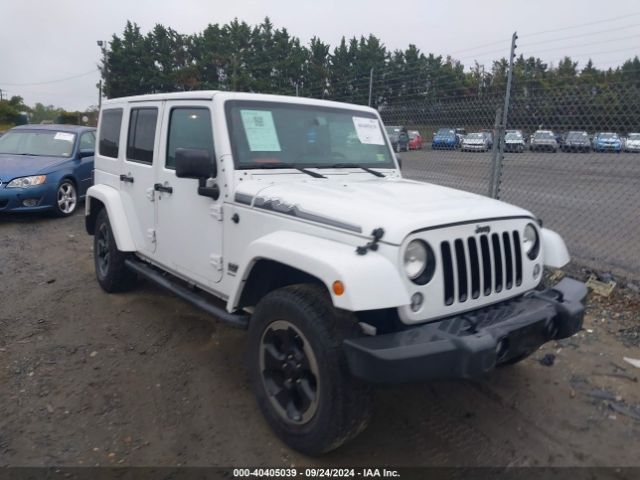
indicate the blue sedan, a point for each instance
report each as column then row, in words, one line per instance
column 607, row 142
column 45, row 167
column 445, row 138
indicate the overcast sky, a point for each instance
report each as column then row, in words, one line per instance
column 45, row 40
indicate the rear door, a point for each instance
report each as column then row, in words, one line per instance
column 84, row 167
column 189, row 226
column 137, row 176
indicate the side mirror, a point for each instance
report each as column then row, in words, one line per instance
column 194, row 163
column 84, row 153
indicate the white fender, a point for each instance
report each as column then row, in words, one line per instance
column 371, row 281
column 554, row 249
column 110, row 197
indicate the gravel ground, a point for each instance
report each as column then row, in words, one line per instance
column 142, row 378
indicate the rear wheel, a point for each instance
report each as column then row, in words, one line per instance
column 298, row 371
column 112, row 274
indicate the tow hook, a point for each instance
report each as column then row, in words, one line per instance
column 373, row 244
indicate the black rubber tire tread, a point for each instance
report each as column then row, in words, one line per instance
column 119, row 278
column 345, row 403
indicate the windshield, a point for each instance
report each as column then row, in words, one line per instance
column 513, row 136
column 607, row 135
column 577, row 136
column 543, row 135
column 634, row 136
column 445, row 132
column 37, row 142
column 268, row 134
column 472, row 136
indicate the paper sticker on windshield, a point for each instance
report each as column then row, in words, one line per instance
column 260, row 130
column 67, row 137
column 368, row 131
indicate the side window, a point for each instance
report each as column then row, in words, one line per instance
column 189, row 128
column 110, row 122
column 87, row 141
column 142, row 134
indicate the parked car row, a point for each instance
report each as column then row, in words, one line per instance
column 540, row 140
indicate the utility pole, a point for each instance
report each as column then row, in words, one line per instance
column 507, row 96
column 501, row 126
column 103, row 47
column 370, row 84
column 100, row 95
column 1, row 95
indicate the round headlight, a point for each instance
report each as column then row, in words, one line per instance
column 530, row 241
column 415, row 259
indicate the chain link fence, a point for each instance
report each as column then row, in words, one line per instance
column 570, row 154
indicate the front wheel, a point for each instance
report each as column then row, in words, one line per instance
column 66, row 199
column 298, row 372
column 111, row 272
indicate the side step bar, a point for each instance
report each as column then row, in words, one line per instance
column 236, row 320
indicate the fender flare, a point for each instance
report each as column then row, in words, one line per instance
column 110, row 198
column 554, row 249
column 371, row 281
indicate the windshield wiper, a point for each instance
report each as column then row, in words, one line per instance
column 355, row 165
column 286, row 165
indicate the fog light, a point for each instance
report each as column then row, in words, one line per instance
column 536, row 271
column 30, row 202
column 416, row 301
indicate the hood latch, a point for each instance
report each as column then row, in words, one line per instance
column 373, row 244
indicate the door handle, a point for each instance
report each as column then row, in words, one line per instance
column 158, row 187
column 126, row 178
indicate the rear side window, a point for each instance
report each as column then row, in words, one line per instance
column 189, row 128
column 110, row 132
column 142, row 134
column 87, row 141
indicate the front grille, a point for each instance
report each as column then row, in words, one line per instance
column 480, row 265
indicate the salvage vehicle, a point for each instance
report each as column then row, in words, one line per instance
column 476, row 142
column 446, row 138
column 45, row 168
column 577, row 141
column 633, row 143
column 514, row 141
column 262, row 211
column 416, row 142
column 543, row 140
column 607, row 142
column 399, row 138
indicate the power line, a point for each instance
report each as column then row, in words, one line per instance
column 588, row 34
column 605, row 20
column 50, row 81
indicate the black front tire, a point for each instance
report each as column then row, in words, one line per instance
column 111, row 272
column 342, row 404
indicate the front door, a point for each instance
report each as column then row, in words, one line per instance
column 137, row 177
column 189, row 226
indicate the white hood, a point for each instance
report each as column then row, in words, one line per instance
column 397, row 205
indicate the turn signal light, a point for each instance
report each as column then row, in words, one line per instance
column 338, row 287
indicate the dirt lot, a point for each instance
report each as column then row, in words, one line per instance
column 142, row 378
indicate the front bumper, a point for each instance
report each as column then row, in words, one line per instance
column 471, row 344
column 11, row 199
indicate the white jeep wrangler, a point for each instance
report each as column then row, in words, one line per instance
column 290, row 217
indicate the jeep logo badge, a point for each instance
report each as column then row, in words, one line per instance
column 485, row 229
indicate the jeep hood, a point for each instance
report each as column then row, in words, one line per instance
column 397, row 205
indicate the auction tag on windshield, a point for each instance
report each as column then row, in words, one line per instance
column 67, row 137
column 260, row 130
column 368, row 131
